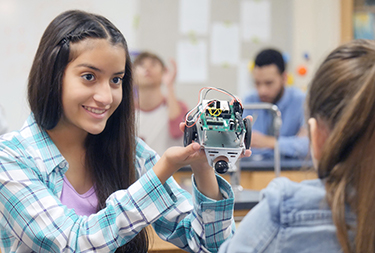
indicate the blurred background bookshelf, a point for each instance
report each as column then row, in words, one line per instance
column 357, row 19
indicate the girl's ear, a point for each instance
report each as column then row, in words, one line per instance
column 318, row 137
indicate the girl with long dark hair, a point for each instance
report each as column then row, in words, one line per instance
column 76, row 179
column 335, row 213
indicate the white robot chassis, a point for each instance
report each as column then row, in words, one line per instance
column 218, row 126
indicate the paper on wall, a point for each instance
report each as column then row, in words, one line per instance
column 225, row 44
column 256, row 20
column 192, row 61
column 244, row 80
column 194, row 16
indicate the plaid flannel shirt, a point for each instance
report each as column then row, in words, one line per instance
column 33, row 218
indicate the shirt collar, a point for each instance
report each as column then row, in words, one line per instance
column 48, row 151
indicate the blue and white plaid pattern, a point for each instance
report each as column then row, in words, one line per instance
column 32, row 217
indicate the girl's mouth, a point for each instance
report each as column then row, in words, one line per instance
column 94, row 110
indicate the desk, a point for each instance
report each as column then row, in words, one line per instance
column 157, row 245
column 245, row 200
column 256, row 174
column 267, row 164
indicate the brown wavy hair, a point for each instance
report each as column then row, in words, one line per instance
column 342, row 95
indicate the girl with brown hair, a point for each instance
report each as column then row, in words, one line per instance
column 336, row 212
column 76, row 179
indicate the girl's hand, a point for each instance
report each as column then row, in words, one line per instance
column 204, row 174
column 177, row 157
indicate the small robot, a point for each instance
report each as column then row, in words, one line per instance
column 218, row 126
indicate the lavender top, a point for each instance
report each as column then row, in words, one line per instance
column 83, row 204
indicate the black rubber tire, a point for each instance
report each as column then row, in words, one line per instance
column 247, row 140
column 190, row 134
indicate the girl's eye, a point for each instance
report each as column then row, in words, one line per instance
column 117, row 80
column 88, row 77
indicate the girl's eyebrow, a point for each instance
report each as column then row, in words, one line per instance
column 119, row 73
column 88, row 66
column 97, row 69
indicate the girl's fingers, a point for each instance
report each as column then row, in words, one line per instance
column 247, row 153
column 250, row 117
column 182, row 126
column 181, row 154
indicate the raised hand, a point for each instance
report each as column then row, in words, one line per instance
column 169, row 76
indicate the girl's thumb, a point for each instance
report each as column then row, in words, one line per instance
column 192, row 148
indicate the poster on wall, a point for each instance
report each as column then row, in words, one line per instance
column 256, row 20
column 245, row 82
column 192, row 61
column 194, row 16
column 225, row 44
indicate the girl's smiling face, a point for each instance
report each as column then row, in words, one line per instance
column 92, row 85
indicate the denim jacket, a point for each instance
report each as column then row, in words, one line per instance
column 291, row 217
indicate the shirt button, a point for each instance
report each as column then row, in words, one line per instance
column 62, row 165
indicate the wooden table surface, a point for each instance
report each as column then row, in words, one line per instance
column 157, row 245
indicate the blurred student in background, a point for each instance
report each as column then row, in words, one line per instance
column 159, row 115
column 270, row 82
column 3, row 122
column 334, row 213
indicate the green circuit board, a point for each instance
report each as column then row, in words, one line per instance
column 216, row 119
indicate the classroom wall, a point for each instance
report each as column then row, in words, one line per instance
column 316, row 30
column 22, row 23
column 159, row 32
column 297, row 26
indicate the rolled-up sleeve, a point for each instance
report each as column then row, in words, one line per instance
column 194, row 223
column 34, row 219
column 198, row 223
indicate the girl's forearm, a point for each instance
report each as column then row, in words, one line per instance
column 206, row 182
column 163, row 170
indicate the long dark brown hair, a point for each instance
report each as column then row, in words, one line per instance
column 342, row 96
column 110, row 155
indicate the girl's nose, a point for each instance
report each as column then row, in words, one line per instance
column 103, row 94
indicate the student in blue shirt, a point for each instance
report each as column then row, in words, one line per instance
column 270, row 80
column 335, row 213
column 80, row 138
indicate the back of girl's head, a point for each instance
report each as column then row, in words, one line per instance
column 55, row 52
column 342, row 98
